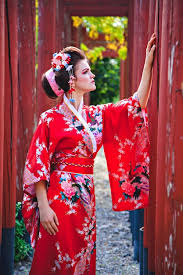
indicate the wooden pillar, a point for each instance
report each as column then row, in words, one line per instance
column 169, row 218
column 123, row 79
column 10, row 138
column 60, row 34
column 2, row 106
column 130, row 47
column 67, row 28
column 149, row 228
column 46, row 48
column 26, row 85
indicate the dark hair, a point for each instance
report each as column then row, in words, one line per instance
column 62, row 77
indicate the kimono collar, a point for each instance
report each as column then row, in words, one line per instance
column 71, row 107
column 80, row 118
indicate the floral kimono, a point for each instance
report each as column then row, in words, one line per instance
column 62, row 153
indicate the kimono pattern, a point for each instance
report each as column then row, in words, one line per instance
column 62, row 153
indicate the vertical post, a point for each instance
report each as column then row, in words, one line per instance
column 149, row 225
column 46, row 47
column 26, row 85
column 130, row 46
column 163, row 114
column 60, row 33
column 138, row 223
column 141, row 234
column 169, row 257
column 123, row 79
column 2, row 79
column 10, row 138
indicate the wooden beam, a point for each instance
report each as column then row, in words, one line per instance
column 108, row 10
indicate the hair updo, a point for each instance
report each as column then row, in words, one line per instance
column 62, row 76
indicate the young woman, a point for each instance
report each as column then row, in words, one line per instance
column 59, row 199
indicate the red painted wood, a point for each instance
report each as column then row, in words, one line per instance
column 149, row 228
column 46, row 48
column 169, row 199
column 67, row 28
column 60, row 33
column 163, row 117
column 98, row 11
column 10, row 116
column 168, row 239
column 123, row 79
column 97, row 8
column 2, row 106
column 175, row 175
column 130, row 67
column 26, row 85
column 95, row 2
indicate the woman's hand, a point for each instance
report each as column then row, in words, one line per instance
column 150, row 52
column 146, row 79
column 49, row 219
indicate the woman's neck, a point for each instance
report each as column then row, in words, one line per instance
column 77, row 99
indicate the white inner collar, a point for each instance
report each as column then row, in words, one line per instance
column 73, row 109
column 79, row 116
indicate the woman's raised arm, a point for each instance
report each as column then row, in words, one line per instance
column 146, row 79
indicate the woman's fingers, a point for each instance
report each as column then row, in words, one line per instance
column 56, row 219
column 151, row 42
column 51, row 228
column 49, row 221
column 54, row 227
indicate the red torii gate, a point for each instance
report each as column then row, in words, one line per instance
column 22, row 100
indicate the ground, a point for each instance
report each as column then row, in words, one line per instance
column 114, row 240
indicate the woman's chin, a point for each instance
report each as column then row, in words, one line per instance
column 93, row 89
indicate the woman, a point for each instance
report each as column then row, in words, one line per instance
column 59, row 200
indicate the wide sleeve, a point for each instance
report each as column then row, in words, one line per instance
column 126, row 147
column 37, row 167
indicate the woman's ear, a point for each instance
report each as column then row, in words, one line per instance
column 72, row 81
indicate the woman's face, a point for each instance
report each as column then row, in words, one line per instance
column 84, row 81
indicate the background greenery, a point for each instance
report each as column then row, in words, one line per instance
column 114, row 31
column 22, row 248
column 107, row 78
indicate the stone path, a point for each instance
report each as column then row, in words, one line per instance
column 114, row 240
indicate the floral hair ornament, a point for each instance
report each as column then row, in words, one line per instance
column 50, row 75
column 60, row 60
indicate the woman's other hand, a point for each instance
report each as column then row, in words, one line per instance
column 146, row 79
column 150, row 51
column 49, row 219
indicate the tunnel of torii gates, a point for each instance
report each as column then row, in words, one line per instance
column 22, row 101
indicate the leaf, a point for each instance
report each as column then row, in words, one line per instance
column 122, row 52
column 83, row 47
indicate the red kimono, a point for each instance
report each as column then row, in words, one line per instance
column 62, row 152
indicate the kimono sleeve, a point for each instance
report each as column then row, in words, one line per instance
column 126, row 147
column 37, row 167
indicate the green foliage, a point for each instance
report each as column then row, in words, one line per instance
column 114, row 30
column 22, row 248
column 107, row 78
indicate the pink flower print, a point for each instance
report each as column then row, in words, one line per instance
column 128, row 188
column 68, row 189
